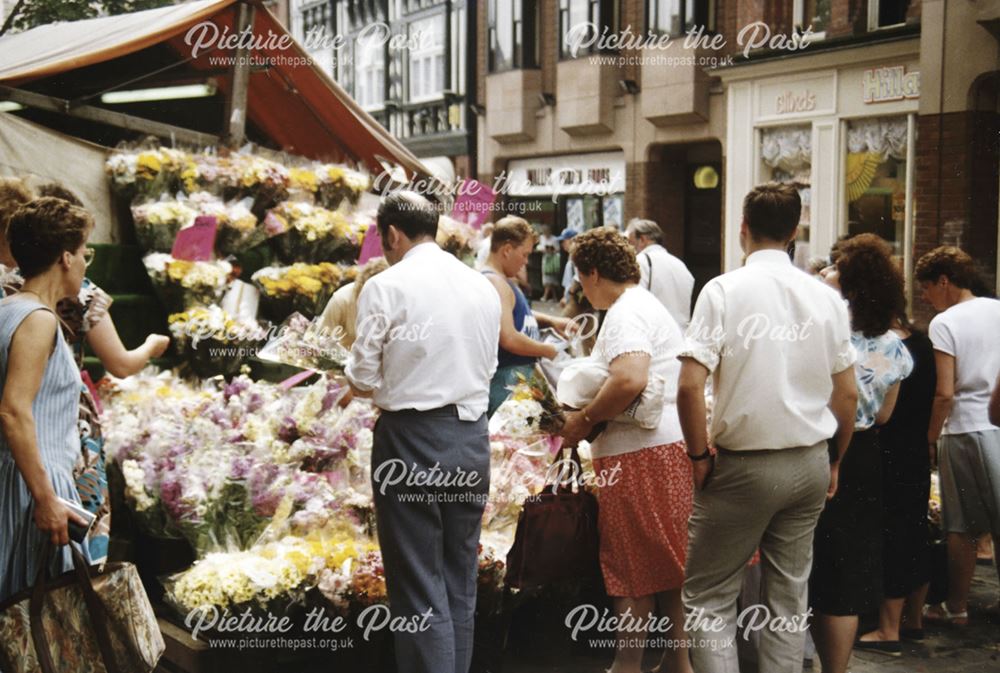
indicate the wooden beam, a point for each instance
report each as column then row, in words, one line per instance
column 236, row 108
column 109, row 117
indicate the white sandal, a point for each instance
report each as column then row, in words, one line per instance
column 945, row 615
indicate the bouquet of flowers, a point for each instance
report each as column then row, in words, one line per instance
column 518, row 471
column 306, row 344
column 338, row 184
column 182, row 285
column 238, row 229
column 305, row 288
column 530, row 410
column 157, row 223
column 148, row 171
column 456, row 237
column 308, row 233
column 213, row 342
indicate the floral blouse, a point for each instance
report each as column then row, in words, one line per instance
column 883, row 361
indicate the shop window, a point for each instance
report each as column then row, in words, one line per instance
column 786, row 156
column 813, row 14
column 427, row 58
column 875, row 182
column 513, row 34
column 679, row 17
column 886, row 13
column 586, row 212
column 583, row 22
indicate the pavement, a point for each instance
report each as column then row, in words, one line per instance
column 971, row 649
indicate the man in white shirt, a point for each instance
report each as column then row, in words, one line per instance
column 663, row 274
column 778, row 345
column 426, row 349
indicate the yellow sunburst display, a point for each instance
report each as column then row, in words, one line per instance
column 861, row 169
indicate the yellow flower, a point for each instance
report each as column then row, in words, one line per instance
column 303, row 178
column 148, row 166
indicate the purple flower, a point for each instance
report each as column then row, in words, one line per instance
column 241, row 468
column 288, row 431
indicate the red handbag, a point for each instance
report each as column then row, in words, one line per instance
column 556, row 536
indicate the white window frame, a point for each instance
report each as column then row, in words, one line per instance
column 421, row 55
column 363, row 68
column 910, row 182
column 798, row 20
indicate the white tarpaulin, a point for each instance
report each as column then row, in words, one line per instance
column 30, row 151
column 58, row 47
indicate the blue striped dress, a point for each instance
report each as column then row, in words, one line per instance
column 55, row 409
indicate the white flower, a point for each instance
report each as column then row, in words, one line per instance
column 135, row 485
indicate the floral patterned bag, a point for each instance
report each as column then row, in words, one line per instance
column 89, row 621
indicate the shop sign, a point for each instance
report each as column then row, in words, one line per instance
column 881, row 85
column 601, row 173
column 788, row 102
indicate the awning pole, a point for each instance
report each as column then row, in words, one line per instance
column 236, row 109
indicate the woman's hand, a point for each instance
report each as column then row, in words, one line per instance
column 52, row 518
column 564, row 326
column 156, row 345
column 575, row 428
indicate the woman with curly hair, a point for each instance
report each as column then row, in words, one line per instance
column 846, row 578
column 647, row 490
column 961, row 438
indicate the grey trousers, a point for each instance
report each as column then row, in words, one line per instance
column 429, row 533
column 769, row 500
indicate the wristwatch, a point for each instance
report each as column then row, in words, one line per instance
column 704, row 455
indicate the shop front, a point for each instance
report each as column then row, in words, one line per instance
column 578, row 192
column 842, row 129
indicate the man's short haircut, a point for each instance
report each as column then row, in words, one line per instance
column 953, row 263
column 772, row 211
column 511, row 229
column 409, row 212
column 646, row 228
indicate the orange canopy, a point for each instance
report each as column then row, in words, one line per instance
column 291, row 101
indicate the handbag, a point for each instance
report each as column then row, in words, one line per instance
column 556, row 536
column 89, row 621
column 580, row 381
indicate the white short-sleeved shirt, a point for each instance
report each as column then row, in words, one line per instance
column 668, row 278
column 773, row 337
column 427, row 329
column 969, row 332
column 638, row 323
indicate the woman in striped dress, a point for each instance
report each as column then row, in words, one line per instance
column 39, row 391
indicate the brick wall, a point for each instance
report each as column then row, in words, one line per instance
column 548, row 35
column 655, row 190
column 956, row 190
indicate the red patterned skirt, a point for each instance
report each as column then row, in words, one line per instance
column 645, row 499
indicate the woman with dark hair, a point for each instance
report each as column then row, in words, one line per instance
column 961, row 437
column 906, row 486
column 647, row 490
column 13, row 194
column 846, row 578
column 86, row 318
column 39, row 391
